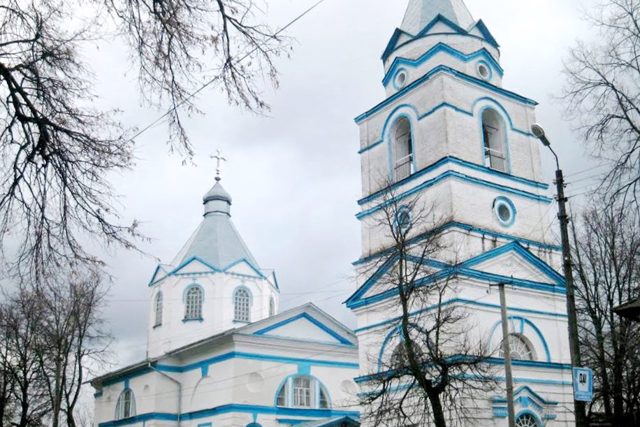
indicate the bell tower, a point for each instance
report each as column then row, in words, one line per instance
column 450, row 138
column 448, row 132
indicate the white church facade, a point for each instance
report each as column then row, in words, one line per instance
column 449, row 137
column 220, row 351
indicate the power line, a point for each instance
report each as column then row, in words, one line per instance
column 216, row 78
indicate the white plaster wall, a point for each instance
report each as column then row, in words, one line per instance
column 234, row 381
column 217, row 308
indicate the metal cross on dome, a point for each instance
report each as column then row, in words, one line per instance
column 219, row 159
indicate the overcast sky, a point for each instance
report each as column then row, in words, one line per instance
column 294, row 174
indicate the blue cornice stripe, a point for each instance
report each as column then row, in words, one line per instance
column 441, row 48
column 392, row 46
column 470, row 229
column 225, row 409
column 463, row 269
column 447, row 70
column 143, row 370
column 494, row 361
column 523, row 252
column 176, row 271
column 309, row 318
column 254, row 356
column 461, row 301
column 455, row 161
column 356, row 301
column 450, row 174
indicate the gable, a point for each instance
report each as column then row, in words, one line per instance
column 509, row 263
column 305, row 327
column 512, row 265
column 440, row 28
column 244, row 268
column 514, row 261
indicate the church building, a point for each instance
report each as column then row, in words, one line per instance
column 221, row 354
column 448, row 137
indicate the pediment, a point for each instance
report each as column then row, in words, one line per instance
column 514, row 261
column 513, row 265
column 194, row 265
column 244, row 268
column 305, row 326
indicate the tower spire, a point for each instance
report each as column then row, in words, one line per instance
column 421, row 12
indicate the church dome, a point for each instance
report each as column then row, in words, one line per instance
column 216, row 241
column 216, row 193
column 217, row 200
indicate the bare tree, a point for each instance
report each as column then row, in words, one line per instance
column 607, row 255
column 57, row 149
column 54, row 335
column 75, row 340
column 433, row 367
column 20, row 321
column 603, row 96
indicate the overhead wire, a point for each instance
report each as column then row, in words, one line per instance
column 208, row 83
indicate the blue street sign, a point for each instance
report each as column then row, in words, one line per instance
column 583, row 384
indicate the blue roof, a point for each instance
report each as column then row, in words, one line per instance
column 421, row 12
column 216, row 240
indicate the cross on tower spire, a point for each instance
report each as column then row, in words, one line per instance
column 219, row 159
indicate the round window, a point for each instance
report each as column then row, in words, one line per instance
column 483, row 71
column 401, row 79
column 505, row 211
column 403, row 218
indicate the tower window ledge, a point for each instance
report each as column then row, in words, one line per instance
column 241, row 322
column 200, row 319
column 157, row 326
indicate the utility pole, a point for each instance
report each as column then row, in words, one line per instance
column 506, row 349
column 567, row 266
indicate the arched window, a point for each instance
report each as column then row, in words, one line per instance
column 272, row 306
column 242, row 305
column 495, row 141
column 520, row 348
column 402, row 149
column 126, row 406
column 158, row 309
column 193, row 304
column 303, row 391
column 526, row 420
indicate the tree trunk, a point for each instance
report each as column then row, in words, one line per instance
column 438, row 413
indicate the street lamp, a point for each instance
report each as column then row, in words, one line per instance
column 574, row 344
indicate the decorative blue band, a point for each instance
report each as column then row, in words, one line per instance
column 446, row 70
column 450, row 174
column 226, row 409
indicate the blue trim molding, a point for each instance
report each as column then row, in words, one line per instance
column 232, row 408
column 393, row 45
column 309, row 318
column 450, row 174
column 452, row 72
column 451, row 160
column 464, row 269
column 398, row 64
column 143, row 369
column 513, row 212
column 523, row 322
column 461, row 301
column 210, row 270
